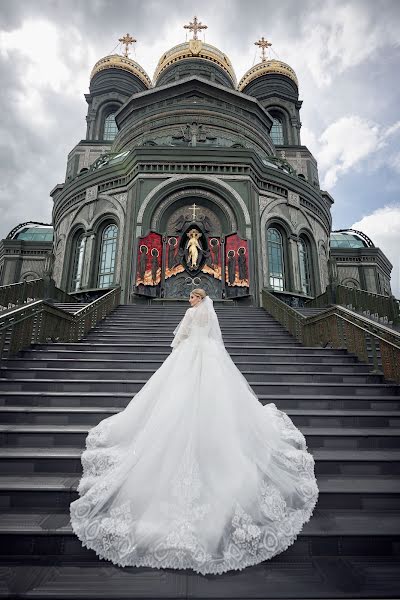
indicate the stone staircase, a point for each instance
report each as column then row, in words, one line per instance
column 52, row 394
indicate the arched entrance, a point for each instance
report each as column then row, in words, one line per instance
column 192, row 242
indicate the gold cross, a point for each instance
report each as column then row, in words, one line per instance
column 127, row 40
column 263, row 44
column 195, row 27
column 194, row 207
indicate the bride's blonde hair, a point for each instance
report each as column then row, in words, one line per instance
column 199, row 292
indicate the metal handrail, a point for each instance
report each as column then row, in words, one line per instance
column 371, row 342
column 376, row 306
column 16, row 294
column 40, row 322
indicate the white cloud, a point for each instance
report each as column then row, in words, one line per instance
column 337, row 37
column 50, row 61
column 345, row 143
column 383, row 227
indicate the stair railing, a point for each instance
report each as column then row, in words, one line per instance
column 375, row 306
column 40, row 322
column 17, row 294
column 338, row 327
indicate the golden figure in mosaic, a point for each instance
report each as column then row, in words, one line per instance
column 193, row 246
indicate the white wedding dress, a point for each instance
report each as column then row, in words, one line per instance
column 195, row 472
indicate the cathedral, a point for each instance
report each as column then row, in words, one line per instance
column 193, row 179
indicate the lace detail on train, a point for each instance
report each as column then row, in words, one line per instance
column 247, row 538
column 97, row 459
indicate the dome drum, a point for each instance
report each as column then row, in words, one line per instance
column 267, row 67
column 195, row 50
column 115, row 61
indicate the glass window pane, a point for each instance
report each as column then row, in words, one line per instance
column 275, row 259
column 110, row 128
column 107, row 256
column 277, row 131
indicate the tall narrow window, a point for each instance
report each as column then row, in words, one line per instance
column 277, row 131
column 276, row 272
column 304, row 263
column 77, row 267
column 108, row 250
column 110, row 127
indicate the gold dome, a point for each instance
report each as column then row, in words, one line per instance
column 264, row 68
column 116, row 61
column 195, row 49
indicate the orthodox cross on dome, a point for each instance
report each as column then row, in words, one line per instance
column 193, row 208
column 196, row 26
column 127, row 40
column 263, row 44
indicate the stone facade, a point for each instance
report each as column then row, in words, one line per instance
column 191, row 140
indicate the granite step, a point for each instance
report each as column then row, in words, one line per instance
column 18, row 527
column 283, row 401
column 27, row 414
column 261, row 347
column 286, row 374
column 336, row 492
column 26, row 461
column 307, row 570
column 283, row 384
column 77, row 351
column 266, row 363
column 37, row 435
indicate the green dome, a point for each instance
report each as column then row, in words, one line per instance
column 350, row 238
column 32, row 232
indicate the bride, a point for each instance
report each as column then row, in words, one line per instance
column 195, row 472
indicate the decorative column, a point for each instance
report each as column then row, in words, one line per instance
column 295, row 267
column 293, row 202
column 88, row 260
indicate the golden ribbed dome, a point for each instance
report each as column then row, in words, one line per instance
column 195, row 49
column 264, row 68
column 116, row 61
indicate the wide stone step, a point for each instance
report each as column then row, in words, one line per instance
column 16, row 526
column 282, row 384
column 265, row 363
column 158, row 332
column 165, row 349
column 143, row 323
column 54, row 354
column 284, row 401
column 307, row 569
column 66, row 461
column 143, row 338
column 357, row 493
column 265, row 375
column 317, row 437
column 92, row 415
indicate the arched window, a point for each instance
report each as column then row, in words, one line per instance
column 276, row 132
column 305, row 266
column 110, row 127
column 108, row 250
column 78, row 261
column 276, row 272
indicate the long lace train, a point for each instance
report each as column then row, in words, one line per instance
column 195, row 472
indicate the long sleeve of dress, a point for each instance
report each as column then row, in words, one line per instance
column 183, row 329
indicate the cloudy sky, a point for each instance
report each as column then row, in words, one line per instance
column 346, row 55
